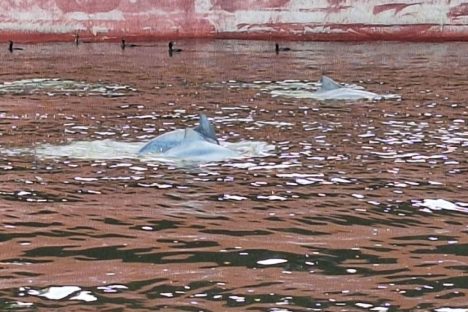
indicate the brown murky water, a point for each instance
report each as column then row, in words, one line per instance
column 362, row 206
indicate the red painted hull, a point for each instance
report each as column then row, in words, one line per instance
column 96, row 20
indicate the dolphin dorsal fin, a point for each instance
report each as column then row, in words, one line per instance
column 329, row 84
column 206, row 129
column 192, row 135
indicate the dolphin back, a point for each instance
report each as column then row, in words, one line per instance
column 191, row 135
column 195, row 147
column 206, row 129
column 163, row 142
column 329, row 84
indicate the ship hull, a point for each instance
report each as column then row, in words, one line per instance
column 58, row 20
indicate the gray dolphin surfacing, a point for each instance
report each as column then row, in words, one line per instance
column 206, row 129
column 194, row 147
column 328, row 90
column 167, row 141
column 328, row 84
column 333, row 91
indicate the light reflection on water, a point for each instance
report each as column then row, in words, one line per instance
column 359, row 207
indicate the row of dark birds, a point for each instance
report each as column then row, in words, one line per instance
column 124, row 45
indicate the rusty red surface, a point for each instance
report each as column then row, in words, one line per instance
column 87, row 6
column 397, row 7
column 459, row 11
column 234, row 6
column 53, row 20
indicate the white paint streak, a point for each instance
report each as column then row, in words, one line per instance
column 115, row 15
column 99, row 30
column 203, row 6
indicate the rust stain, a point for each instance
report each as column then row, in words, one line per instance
column 336, row 6
column 336, row 2
column 459, row 11
column 398, row 7
column 87, row 6
column 233, row 6
column 167, row 6
column 345, row 32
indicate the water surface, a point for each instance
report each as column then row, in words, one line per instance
column 360, row 206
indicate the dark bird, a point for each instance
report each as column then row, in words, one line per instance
column 278, row 49
column 124, row 45
column 11, row 48
column 172, row 49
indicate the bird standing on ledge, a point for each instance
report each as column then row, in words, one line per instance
column 124, row 45
column 172, row 49
column 278, row 49
column 11, row 48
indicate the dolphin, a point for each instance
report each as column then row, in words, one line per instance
column 329, row 90
column 171, row 139
column 195, row 147
column 328, row 84
column 332, row 90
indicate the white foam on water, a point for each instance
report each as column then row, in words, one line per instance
column 440, row 204
column 90, row 150
column 296, row 94
column 54, row 292
column 237, row 298
column 302, row 181
column 299, row 175
column 112, row 150
column 57, row 86
column 112, row 288
column 156, row 185
column 351, row 94
column 233, row 197
column 284, row 165
column 85, row 296
column 21, row 305
column 272, row 197
column 272, row 261
column 310, row 90
column 278, row 124
column 251, row 148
